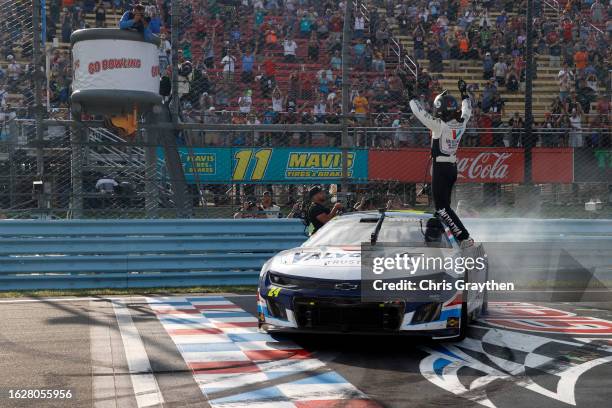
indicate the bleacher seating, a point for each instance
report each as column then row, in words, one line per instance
column 545, row 85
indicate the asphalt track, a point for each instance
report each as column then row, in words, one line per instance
column 201, row 351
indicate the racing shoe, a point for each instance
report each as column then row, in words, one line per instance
column 466, row 243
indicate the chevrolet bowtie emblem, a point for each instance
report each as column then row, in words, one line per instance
column 346, row 286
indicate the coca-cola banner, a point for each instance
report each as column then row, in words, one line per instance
column 475, row 165
column 552, row 165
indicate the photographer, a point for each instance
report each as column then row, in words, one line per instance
column 318, row 214
column 135, row 20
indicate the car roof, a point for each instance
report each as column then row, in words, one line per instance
column 390, row 213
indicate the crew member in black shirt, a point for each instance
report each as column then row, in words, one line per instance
column 318, row 214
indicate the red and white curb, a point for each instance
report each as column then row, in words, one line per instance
column 235, row 365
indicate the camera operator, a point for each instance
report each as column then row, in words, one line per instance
column 136, row 20
column 318, row 214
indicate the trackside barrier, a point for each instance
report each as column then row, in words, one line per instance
column 528, row 229
column 73, row 254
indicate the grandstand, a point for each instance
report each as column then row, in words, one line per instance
column 205, row 30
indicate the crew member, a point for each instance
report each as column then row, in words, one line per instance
column 318, row 214
column 447, row 125
column 135, row 20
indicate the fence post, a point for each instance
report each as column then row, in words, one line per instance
column 36, row 78
column 346, row 43
column 76, row 169
column 529, row 141
column 174, row 42
column 151, row 139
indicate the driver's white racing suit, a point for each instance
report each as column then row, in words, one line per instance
column 445, row 139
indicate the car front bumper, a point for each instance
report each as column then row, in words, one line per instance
column 311, row 311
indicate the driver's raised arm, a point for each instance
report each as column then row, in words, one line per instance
column 466, row 110
column 425, row 117
column 415, row 105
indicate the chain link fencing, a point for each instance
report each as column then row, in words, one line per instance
column 230, row 170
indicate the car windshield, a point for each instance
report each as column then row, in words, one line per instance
column 351, row 231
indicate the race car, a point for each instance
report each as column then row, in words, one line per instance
column 319, row 286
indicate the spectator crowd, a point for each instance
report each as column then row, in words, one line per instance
column 279, row 62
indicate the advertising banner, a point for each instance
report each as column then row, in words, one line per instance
column 552, row 165
column 267, row 165
column 115, row 64
column 592, row 165
column 475, row 165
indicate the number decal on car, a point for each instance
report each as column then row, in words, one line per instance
column 273, row 292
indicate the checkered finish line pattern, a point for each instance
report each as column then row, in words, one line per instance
column 235, row 365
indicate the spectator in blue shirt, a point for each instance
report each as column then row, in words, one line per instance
column 501, row 20
column 135, row 20
column 155, row 23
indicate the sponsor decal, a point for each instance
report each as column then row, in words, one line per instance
column 327, row 258
column 317, row 164
column 274, row 291
column 204, row 163
column 522, row 360
column 484, row 165
column 457, row 133
column 114, row 64
column 266, row 165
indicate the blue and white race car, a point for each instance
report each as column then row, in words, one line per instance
column 317, row 286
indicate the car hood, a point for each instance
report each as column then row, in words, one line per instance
column 333, row 263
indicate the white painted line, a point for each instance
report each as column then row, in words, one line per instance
column 103, row 379
column 145, row 385
column 111, row 298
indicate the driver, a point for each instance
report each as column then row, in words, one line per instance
column 447, row 125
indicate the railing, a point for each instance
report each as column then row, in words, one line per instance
column 556, row 6
column 402, row 57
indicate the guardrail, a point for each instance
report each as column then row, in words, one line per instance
column 76, row 254
column 531, row 230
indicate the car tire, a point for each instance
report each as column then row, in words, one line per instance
column 465, row 322
column 465, row 317
column 484, row 309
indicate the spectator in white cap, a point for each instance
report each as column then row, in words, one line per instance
column 271, row 210
column 106, row 185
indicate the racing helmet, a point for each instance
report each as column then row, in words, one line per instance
column 445, row 106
